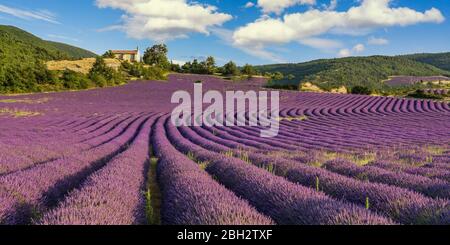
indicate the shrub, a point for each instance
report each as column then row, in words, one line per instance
column 99, row 80
column 75, row 80
column 109, row 54
column 230, row 69
column 420, row 94
column 361, row 90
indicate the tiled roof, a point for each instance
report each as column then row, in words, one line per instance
column 124, row 51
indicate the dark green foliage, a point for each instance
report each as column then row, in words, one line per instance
column 439, row 60
column 352, row 71
column 100, row 68
column 207, row 67
column 157, row 56
column 72, row 52
column 75, row 80
column 195, row 67
column 22, row 67
column 109, row 55
column 248, row 70
column 99, row 80
column 100, row 73
column 420, row 94
column 198, row 81
column 176, row 68
column 282, row 86
column 210, row 65
column 230, row 69
column 53, row 50
column 361, row 90
column 138, row 70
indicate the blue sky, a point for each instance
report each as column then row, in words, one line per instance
column 246, row 31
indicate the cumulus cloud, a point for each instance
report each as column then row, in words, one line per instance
column 369, row 15
column 163, row 20
column 43, row 15
column 278, row 6
column 358, row 48
column 377, row 41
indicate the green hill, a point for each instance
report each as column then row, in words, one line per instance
column 439, row 60
column 352, row 71
column 22, row 57
column 55, row 50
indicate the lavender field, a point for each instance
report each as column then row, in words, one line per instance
column 112, row 156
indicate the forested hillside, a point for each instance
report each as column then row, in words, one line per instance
column 22, row 68
column 440, row 60
column 352, row 71
column 54, row 50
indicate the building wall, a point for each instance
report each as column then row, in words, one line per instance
column 127, row 57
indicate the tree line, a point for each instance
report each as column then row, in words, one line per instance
column 157, row 56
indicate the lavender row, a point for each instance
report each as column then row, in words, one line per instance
column 111, row 196
column 191, row 196
column 17, row 159
column 32, row 190
column 403, row 206
column 434, row 173
column 285, row 202
column 429, row 187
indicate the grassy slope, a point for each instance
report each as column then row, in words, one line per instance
column 440, row 60
column 55, row 49
column 352, row 71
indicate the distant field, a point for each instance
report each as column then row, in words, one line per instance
column 410, row 80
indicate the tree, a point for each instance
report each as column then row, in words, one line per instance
column 175, row 67
column 157, row 56
column 210, row 65
column 187, row 67
column 291, row 77
column 230, row 69
column 248, row 70
column 100, row 68
column 277, row 76
column 109, row 55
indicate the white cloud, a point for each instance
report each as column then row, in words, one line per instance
column 278, row 6
column 227, row 37
column 321, row 43
column 249, row 5
column 43, row 15
column 162, row 20
column 361, row 19
column 359, row 48
column 377, row 41
column 344, row 53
